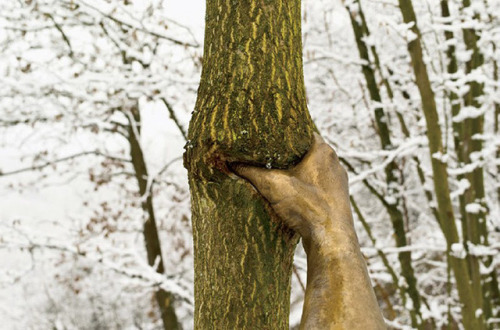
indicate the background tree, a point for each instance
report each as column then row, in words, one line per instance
column 100, row 148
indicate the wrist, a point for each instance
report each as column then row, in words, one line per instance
column 332, row 240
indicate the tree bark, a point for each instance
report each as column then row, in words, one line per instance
column 251, row 108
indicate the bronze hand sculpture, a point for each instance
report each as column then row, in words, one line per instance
column 313, row 199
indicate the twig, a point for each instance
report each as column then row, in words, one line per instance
column 59, row 28
column 174, row 118
column 155, row 34
column 60, row 160
column 299, row 279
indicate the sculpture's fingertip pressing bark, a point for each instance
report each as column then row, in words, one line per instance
column 239, row 169
column 234, row 171
column 250, row 173
column 267, row 181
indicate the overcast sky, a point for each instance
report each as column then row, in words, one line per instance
column 190, row 13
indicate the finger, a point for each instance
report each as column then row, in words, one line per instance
column 272, row 184
column 250, row 173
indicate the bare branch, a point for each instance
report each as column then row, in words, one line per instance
column 174, row 118
column 139, row 28
column 61, row 160
column 64, row 36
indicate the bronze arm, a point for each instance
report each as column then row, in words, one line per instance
column 313, row 199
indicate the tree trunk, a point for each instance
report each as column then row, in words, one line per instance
column 251, row 108
column 150, row 231
column 360, row 31
column 468, row 297
column 477, row 227
column 494, row 287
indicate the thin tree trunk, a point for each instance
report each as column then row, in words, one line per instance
column 251, row 108
column 496, row 128
column 493, row 282
column 461, row 139
column 476, row 231
column 150, row 231
column 381, row 119
column 458, row 126
column 491, row 285
column 473, row 225
column 476, row 193
column 467, row 295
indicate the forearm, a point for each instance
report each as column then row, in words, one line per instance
column 339, row 294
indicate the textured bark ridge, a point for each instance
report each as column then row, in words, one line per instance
column 251, row 103
column 251, row 108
